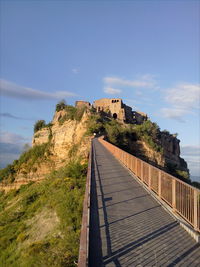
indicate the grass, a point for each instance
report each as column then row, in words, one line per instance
column 27, row 161
column 72, row 113
column 56, row 201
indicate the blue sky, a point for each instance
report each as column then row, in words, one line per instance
column 145, row 52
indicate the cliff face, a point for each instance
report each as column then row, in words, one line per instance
column 171, row 150
column 169, row 159
column 63, row 136
column 64, row 142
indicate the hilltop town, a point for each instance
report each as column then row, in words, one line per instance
column 115, row 108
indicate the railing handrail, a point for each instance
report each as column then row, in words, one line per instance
column 182, row 197
column 85, row 226
column 152, row 166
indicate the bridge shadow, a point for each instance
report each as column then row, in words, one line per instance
column 95, row 245
column 139, row 236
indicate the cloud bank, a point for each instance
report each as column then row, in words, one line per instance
column 11, row 116
column 116, row 85
column 11, row 146
column 183, row 99
column 112, row 91
column 13, row 90
column 145, row 81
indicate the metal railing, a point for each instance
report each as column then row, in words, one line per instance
column 181, row 197
column 84, row 238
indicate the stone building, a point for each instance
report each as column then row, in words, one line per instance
column 81, row 103
column 115, row 108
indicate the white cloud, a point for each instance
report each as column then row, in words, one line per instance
column 76, row 70
column 13, row 90
column 112, row 91
column 11, row 116
column 144, row 81
column 184, row 98
column 173, row 113
column 12, row 138
column 11, row 146
column 190, row 150
column 184, row 95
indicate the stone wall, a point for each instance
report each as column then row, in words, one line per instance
column 81, row 103
column 114, row 107
column 118, row 110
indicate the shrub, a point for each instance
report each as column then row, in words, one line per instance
column 149, row 132
column 73, row 150
column 61, row 105
column 72, row 113
column 79, row 113
column 39, row 125
column 27, row 160
column 7, row 173
column 118, row 135
column 182, row 174
column 95, row 124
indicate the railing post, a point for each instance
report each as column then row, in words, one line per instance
column 149, row 176
column 159, row 183
column 195, row 210
column 136, row 167
column 142, row 178
column 173, row 194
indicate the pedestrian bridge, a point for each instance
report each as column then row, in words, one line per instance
column 135, row 214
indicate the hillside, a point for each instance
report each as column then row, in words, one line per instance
column 53, row 146
column 40, row 218
column 40, row 222
column 68, row 135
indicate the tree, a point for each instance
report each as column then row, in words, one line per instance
column 61, row 105
column 39, row 125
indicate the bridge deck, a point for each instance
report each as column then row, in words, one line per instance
column 128, row 227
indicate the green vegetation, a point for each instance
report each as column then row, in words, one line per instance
column 26, row 161
column 73, row 150
column 61, row 105
column 149, row 132
column 72, row 113
column 40, row 223
column 182, row 174
column 117, row 134
column 95, row 124
column 120, row 134
column 40, row 125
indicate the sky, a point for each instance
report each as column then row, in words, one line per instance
column 145, row 52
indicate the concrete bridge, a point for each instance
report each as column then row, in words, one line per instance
column 135, row 214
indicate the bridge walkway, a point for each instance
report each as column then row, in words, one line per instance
column 128, row 226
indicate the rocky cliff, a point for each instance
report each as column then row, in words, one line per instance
column 69, row 134
column 53, row 146
column 64, row 137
